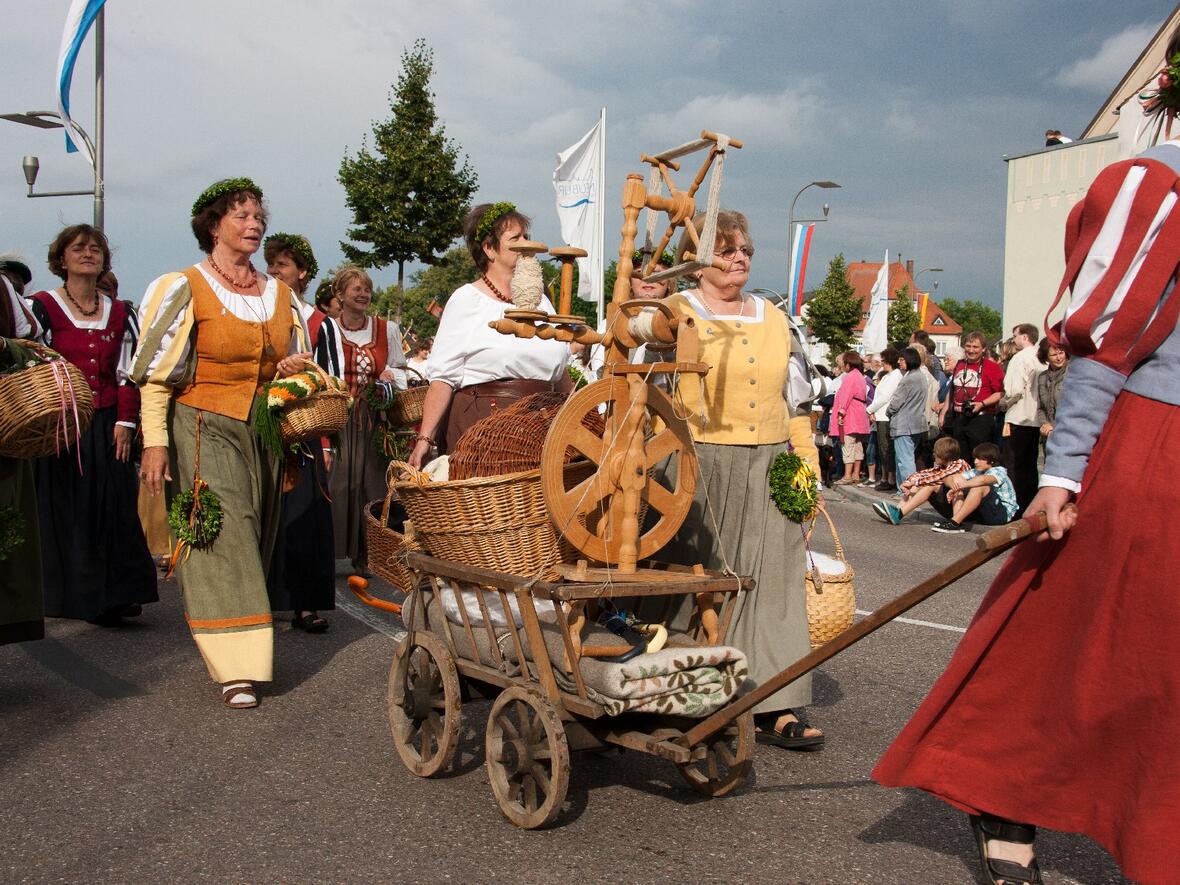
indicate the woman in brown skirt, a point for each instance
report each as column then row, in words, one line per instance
column 472, row 368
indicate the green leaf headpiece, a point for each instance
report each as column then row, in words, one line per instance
column 226, row 186
column 490, row 218
column 639, row 259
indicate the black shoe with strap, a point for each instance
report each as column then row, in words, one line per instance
column 1005, row 872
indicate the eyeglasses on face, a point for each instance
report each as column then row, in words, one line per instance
column 732, row 254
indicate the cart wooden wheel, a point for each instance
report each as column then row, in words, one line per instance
column 726, row 762
column 528, row 757
column 586, row 513
column 424, row 703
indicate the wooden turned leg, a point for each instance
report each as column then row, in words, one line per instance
column 575, row 615
column 705, row 603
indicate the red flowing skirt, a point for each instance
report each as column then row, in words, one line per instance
column 1061, row 705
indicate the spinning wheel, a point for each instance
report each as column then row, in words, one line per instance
column 600, row 515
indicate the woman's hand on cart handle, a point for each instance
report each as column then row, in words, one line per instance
column 1060, row 515
column 289, row 365
column 153, row 468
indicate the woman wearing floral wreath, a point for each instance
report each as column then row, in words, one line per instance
column 212, row 336
column 371, row 350
column 1059, row 707
column 741, row 417
column 472, row 368
column 302, row 575
column 95, row 559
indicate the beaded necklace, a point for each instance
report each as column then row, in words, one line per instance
column 499, row 295
column 74, row 301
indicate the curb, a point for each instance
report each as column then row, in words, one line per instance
column 926, row 515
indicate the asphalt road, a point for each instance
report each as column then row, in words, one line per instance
column 119, row 764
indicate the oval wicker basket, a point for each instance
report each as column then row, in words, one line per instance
column 493, row 522
column 324, row 413
column 386, row 547
column 406, row 408
column 46, row 407
column 831, row 605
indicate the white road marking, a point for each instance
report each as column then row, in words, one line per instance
column 918, row 623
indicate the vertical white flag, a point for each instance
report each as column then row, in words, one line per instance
column 876, row 334
column 79, row 17
column 577, row 180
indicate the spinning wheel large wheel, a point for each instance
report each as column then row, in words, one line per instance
column 593, row 515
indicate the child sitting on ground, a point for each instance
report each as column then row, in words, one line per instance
column 930, row 485
column 986, row 492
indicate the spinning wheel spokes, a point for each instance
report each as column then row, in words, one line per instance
column 593, row 515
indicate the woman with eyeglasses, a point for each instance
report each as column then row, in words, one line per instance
column 740, row 419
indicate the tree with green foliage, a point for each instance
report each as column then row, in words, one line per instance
column 903, row 319
column 835, row 309
column 429, row 284
column 408, row 195
column 974, row 316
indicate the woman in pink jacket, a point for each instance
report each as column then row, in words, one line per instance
column 850, row 418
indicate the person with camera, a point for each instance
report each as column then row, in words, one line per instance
column 977, row 386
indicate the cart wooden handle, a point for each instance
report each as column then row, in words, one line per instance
column 988, row 546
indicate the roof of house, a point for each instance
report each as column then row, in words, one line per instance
column 863, row 274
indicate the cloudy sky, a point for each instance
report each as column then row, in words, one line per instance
column 910, row 106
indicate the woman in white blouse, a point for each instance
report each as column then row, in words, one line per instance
column 472, row 368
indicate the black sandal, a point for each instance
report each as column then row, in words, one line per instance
column 1005, row 872
column 311, row 622
column 793, row 735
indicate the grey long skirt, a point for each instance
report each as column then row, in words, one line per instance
column 755, row 539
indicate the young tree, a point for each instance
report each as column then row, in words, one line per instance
column 408, row 195
column 974, row 316
column 834, row 309
column 903, row 319
column 430, row 284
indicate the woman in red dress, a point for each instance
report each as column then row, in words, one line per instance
column 1061, row 705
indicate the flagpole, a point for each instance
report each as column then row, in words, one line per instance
column 600, row 220
column 99, row 117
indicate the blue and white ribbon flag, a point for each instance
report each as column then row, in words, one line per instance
column 577, row 181
column 876, row 335
column 78, row 21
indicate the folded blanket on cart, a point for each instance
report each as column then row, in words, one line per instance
column 691, row 681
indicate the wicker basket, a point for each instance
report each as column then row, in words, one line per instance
column 386, row 547
column 831, row 603
column 494, row 522
column 406, row 408
column 47, row 407
column 324, row 413
column 509, row 439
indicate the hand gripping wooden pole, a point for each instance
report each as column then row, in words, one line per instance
column 989, row 546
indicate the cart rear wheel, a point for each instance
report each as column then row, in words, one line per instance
column 726, row 761
column 424, row 704
column 528, row 757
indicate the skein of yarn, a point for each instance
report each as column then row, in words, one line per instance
column 528, row 283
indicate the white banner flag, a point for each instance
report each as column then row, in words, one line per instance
column 876, row 334
column 577, row 181
column 79, row 17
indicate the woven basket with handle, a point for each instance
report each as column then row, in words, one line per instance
column 406, row 408
column 47, row 407
column 324, row 413
column 386, row 546
column 493, row 522
column 831, row 599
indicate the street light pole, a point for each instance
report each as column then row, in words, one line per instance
column 791, row 225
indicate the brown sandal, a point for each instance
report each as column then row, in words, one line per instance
column 240, row 695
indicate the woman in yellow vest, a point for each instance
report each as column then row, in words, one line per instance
column 740, row 418
column 211, row 336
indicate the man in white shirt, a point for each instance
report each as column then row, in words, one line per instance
column 1020, row 397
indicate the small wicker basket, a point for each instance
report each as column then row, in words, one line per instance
column 831, row 600
column 406, row 408
column 47, row 407
column 386, row 547
column 324, row 413
column 493, row 522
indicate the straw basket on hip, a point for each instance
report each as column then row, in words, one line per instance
column 406, row 408
column 831, row 596
column 386, row 546
column 492, row 522
column 47, row 407
column 324, row 413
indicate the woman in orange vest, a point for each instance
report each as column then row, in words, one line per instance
column 212, row 335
